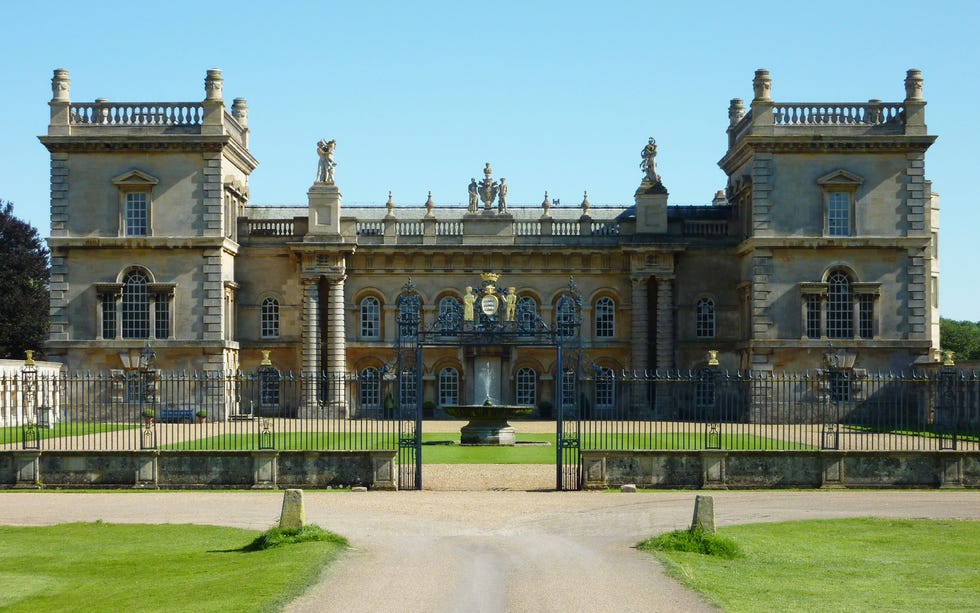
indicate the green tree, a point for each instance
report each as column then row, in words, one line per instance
column 24, row 276
column 960, row 337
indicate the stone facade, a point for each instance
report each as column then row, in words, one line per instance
column 821, row 250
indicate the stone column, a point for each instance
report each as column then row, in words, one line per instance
column 310, row 359
column 336, row 354
column 665, row 323
column 640, row 334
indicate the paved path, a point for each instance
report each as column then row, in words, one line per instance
column 488, row 551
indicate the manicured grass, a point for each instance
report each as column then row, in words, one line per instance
column 14, row 434
column 447, row 453
column 964, row 434
column 840, row 565
column 107, row 567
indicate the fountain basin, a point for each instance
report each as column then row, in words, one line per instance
column 488, row 422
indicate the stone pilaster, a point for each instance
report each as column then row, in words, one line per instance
column 915, row 194
column 310, row 360
column 336, row 347
column 639, row 337
column 761, row 188
column 665, row 323
column 916, row 306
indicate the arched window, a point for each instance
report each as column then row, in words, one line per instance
column 448, row 387
column 370, row 318
column 527, row 387
column 605, row 388
column 704, row 318
column 409, row 315
column 527, row 314
column 135, row 305
column 840, row 306
column 450, row 315
column 270, row 318
column 565, row 317
column 605, row 317
column 407, row 392
column 370, row 389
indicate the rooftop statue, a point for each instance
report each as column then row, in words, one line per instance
column 649, row 163
column 473, row 194
column 502, row 196
column 324, row 169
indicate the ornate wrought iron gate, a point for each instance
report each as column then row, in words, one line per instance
column 480, row 323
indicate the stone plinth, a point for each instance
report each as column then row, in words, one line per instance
column 488, row 423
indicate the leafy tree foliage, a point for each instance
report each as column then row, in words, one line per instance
column 960, row 337
column 24, row 276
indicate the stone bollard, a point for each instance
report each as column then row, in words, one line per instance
column 628, row 488
column 704, row 514
column 293, row 515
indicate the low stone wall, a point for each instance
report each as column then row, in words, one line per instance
column 197, row 469
column 781, row 469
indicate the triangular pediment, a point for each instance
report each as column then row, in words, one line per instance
column 135, row 178
column 840, row 177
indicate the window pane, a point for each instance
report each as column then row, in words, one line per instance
column 370, row 388
column 527, row 314
column 162, row 321
column 838, row 214
column 108, row 316
column 605, row 318
column 813, row 316
column 867, row 316
column 270, row 318
column 135, row 306
column 705, row 318
column 448, row 387
column 605, row 389
column 565, row 318
column 136, row 214
column 840, row 310
column 370, row 318
column 527, row 390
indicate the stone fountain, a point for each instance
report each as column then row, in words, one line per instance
column 487, row 421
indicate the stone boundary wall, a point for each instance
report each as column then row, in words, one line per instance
column 781, row 469
column 197, row 469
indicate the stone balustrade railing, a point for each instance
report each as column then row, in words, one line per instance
column 705, row 228
column 370, row 228
column 449, row 228
column 270, row 227
column 527, row 228
column 409, row 228
column 137, row 114
column 837, row 113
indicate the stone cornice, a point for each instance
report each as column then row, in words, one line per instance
column 142, row 242
column 837, row 242
column 137, row 142
column 819, row 143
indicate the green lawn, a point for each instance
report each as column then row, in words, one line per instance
column 841, row 565
column 14, row 434
column 107, row 567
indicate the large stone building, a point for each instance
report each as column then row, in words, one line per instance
column 823, row 244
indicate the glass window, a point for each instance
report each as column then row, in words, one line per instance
column 409, row 319
column 840, row 387
column 448, row 387
column 270, row 318
column 866, row 312
column 839, row 214
column 370, row 388
column 605, row 389
column 840, row 309
column 137, row 214
column 705, row 318
column 605, row 317
column 568, row 392
column 162, row 317
column 269, row 387
column 527, row 387
column 812, row 316
column 370, row 318
column 108, row 316
column 450, row 315
column 527, row 314
column 407, row 391
column 565, row 317
column 135, row 305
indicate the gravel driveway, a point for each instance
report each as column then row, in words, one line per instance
column 488, row 550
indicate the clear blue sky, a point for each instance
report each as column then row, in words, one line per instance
column 558, row 96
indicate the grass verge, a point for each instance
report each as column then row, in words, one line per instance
column 840, row 565
column 109, row 567
column 15, row 434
